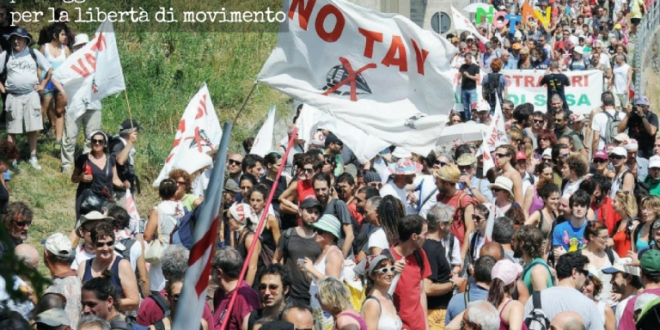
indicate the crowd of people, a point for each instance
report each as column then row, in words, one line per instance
column 563, row 232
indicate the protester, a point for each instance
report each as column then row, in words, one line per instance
column 183, row 192
column 528, row 244
column 334, row 298
column 403, row 174
column 273, row 287
column 226, row 265
column 57, row 258
column 650, row 276
column 378, row 309
column 336, row 208
column 55, row 50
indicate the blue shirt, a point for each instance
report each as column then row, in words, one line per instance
column 483, row 189
column 571, row 238
column 642, row 167
column 457, row 302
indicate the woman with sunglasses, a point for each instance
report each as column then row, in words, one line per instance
column 503, row 200
column 504, row 156
column 107, row 263
column 239, row 218
column 600, row 255
column 650, row 206
column 504, row 276
column 593, row 288
column 477, row 239
column 546, row 139
column 625, row 205
column 623, row 177
column 378, row 308
column 299, row 190
column 184, row 190
column 329, row 264
column 162, row 220
column 97, row 170
column 545, row 217
column 601, row 162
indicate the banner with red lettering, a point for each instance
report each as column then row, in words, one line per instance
column 379, row 72
column 198, row 133
column 582, row 96
column 93, row 72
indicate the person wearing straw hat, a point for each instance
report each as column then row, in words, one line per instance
column 403, row 173
column 20, row 64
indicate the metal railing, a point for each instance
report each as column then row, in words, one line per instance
column 644, row 43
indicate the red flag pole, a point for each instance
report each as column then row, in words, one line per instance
column 260, row 228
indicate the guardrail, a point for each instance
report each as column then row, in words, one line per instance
column 644, row 42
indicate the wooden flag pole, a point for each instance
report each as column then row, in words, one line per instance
column 128, row 105
column 244, row 103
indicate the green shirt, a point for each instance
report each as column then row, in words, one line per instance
column 654, row 186
column 527, row 274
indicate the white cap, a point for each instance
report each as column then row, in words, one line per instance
column 578, row 49
column 401, row 153
column 654, row 162
column 576, row 117
column 620, row 151
column 469, row 37
column 621, row 137
column 642, row 100
column 483, row 106
column 318, row 139
column 81, row 39
column 547, row 152
column 59, row 245
column 620, row 267
column 630, row 144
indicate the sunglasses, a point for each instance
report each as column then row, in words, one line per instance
column 270, row 287
column 501, row 155
column 320, row 232
column 616, row 157
column 547, row 160
column 538, row 121
column 23, row 223
column 437, row 162
column 477, row 218
column 558, row 120
column 234, row 162
column 465, row 167
column 599, row 160
column 174, row 297
column 374, row 184
column 102, row 244
column 98, row 141
column 384, row 270
column 308, row 170
column 564, row 155
column 495, row 190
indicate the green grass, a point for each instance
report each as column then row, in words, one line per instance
column 163, row 70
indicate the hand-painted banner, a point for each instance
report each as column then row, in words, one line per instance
column 523, row 86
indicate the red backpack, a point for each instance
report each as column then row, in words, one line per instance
column 458, row 222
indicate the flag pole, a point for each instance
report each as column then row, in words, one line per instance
column 128, row 105
column 260, row 227
column 245, row 102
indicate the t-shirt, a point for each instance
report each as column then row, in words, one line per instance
column 124, row 171
column 528, row 132
column 150, row 312
column 599, row 124
column 390, row 189
column 569, row 237
column 440, row 272
column 339, row 209
column 378, row 239
column 457, row 303
column 560, row 299
column 621, row 307
column 555, row 82
column 68, row 285
column 294, row 248
column 575, row 139
column 246, row 301
column 472, row 70
column 636, row 131
column 22, row 70
column 408, row 290
column 627, row 322
column 570, row 188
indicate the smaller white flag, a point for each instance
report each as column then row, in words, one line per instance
column 496, row 132
column 462, row 23
column 131, row 208
column 490, row 223
column 488, row 159
column 263, row 143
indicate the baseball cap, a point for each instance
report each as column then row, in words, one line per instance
column 654, row 162
column 547, row 152
column 630, row 144
column 53, row 317
column 332, row 138
column 370, row 176
column 311, row 202
column 81, row 38
column 520, row 155
column 483, row 106
column 620, row 267
column 621, row 137
column 128, row 123
column 576, row 117
column 506, row 270
column 469, row 37
column 601, row 154
column 650, row 262
column 620, row 151
column 232, row 186
column 59, row 245
column 466, row 159
column 642, row 100
column 318, row 139
column 243, row 212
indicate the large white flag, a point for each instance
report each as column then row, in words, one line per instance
column 363, row 145
column 93, row 72
column 198, row 132
column 263, row 143
column 379, row 72
column 462, row 23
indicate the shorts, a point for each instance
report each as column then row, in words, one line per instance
column 23, row 109
column 635, row 21
column 51, row 92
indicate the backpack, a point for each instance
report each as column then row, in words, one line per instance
column 126, row 254
column 3, row 74
column 128, row 324
column 537, row 320
column 182, row 233
column 649, row 318
column 161, row 302
column 458, row 223
column 611, row 129
column 491, row 89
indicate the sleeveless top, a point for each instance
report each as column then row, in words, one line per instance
column 304, row 189
column 169, row 213
column 313, row 287
column 537, row 202
column 386, row 322
column 114, row 269
column 55, row 62
column 639, row 244
column 358, row 318
column 267, row 238
column 601, row 310
column 504, row 326
column 620, row 73
column 543, row 225
column 617, row 182
column 527, row 273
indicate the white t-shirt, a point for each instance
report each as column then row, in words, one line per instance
column 22, row 70
column 528, row 132
column 378, row 239
column 455, row 258
column 390, row 189
column 571, row 188
column 600, row 124
column 425, row 185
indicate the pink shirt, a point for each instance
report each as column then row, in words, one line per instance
column 149, row 312
column 247, row 300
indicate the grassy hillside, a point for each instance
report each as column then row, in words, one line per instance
column 163, row 70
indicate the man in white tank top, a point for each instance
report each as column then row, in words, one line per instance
column 622, row 80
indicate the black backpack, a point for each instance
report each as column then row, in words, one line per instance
column 537, row 320
column 128, row 324
column 490, row 90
